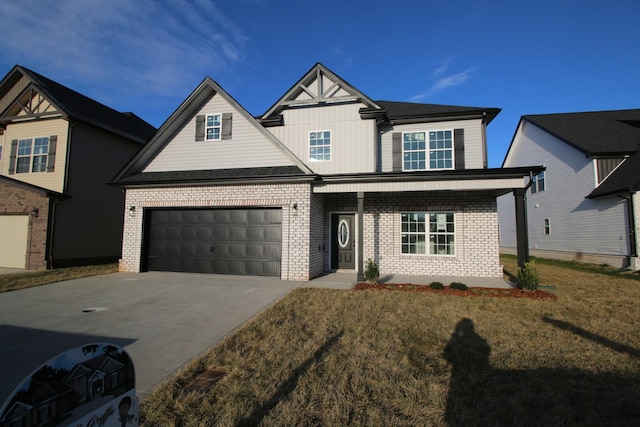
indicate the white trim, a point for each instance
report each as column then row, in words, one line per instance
column 330, row 145
column 427, row 234
column 427, row 150
column 206, row 127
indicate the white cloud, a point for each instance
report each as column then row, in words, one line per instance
column 443, row 83
column 144, row 47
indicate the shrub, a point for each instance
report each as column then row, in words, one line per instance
column 436, row 285
column 459, row 286
column 371, row 271
column 528, row 276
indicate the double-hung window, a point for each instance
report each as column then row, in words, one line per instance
column 428, row 150
column 436, row 228
column 538, row 183
column 320, row 146
column 32, row 155
column 213, row 127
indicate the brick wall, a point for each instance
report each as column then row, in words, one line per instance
column 296, row 223
column 17, row 200
column 476, row 232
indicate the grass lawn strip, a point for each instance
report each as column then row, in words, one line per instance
column 27, row 279
column 360, row 358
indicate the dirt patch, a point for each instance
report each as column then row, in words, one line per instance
column 471, row 292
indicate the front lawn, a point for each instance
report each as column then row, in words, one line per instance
column 365, row 358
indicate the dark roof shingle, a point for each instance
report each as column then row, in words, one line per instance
column 597, row 133
column 396, row 110
column 89, row 111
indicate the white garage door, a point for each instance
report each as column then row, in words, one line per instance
column 14, row 231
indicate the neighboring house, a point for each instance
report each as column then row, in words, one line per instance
column 584, row 206
column 58, row 150
column 322, row 181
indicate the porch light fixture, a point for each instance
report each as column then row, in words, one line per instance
column 295, row 206
column 35, row 212
column 132, row 210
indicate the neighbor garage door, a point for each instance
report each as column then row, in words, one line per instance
column 14, row 231
column 222, row 241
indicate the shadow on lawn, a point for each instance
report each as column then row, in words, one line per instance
column 288, row 386
column 482, row 395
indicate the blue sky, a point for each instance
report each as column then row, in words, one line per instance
column 146, row 56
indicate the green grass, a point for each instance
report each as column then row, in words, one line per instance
column 324, row 357
column 27, row 279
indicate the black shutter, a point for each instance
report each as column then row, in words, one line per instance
column 397, row 151
column 200, row 128
column 51, row 158
column 226, row 126
column 12, row 157
column 458, row 143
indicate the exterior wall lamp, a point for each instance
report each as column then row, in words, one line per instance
column 35, row 212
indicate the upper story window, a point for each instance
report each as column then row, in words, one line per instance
column 436, row 228
column 213, row 127
column 320, row 146
column 438, row 145
column 538, row 183
column 32, row 155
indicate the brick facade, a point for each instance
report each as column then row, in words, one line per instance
column 476, row 232
column 306, row 230
column 296, row 223
column 17, row 200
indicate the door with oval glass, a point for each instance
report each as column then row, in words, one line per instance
column 344, row 238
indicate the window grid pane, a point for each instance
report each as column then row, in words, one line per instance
column 23, row 160
column 441, row 149
column 414, row 151
column 320, row 146
column 214, row 125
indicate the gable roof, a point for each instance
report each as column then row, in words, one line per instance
column 183, row 114
column 596, row 133
column 81, row 108
column 320, row 94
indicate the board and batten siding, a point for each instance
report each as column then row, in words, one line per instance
column 578, row 225
column 13, row 93
column 55, row 180
column 352, row 138
column 247, row 148
column 473, row 141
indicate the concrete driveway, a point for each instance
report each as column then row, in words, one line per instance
column 163, row 320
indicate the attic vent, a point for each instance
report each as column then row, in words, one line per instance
column 604, row 167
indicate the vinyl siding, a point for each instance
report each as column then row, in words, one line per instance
column 578, row 225
column 473, row 141
column 248, row 147
column 33, row 129
column 89, row 223
column 352, row 139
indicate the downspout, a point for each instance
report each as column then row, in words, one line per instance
column 50, row 227
column 484, row 140
column 633, row 247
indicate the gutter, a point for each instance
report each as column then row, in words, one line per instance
column 633, row 248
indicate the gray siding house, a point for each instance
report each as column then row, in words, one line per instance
column 323, row 180
column 584, row 206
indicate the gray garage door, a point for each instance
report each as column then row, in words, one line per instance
column 221, row 241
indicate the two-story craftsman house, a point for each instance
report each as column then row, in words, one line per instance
column 322, row 181
column 58, row 150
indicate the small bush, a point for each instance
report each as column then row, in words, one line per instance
column 436, row 285
column 528, row 276
column 371, row 271
column 459, row 286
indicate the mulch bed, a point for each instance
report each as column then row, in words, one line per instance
column 471, row 292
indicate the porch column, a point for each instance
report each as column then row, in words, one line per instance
column 522, row 232
column 360, row 262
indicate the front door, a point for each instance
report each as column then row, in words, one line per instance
column 344, row 239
